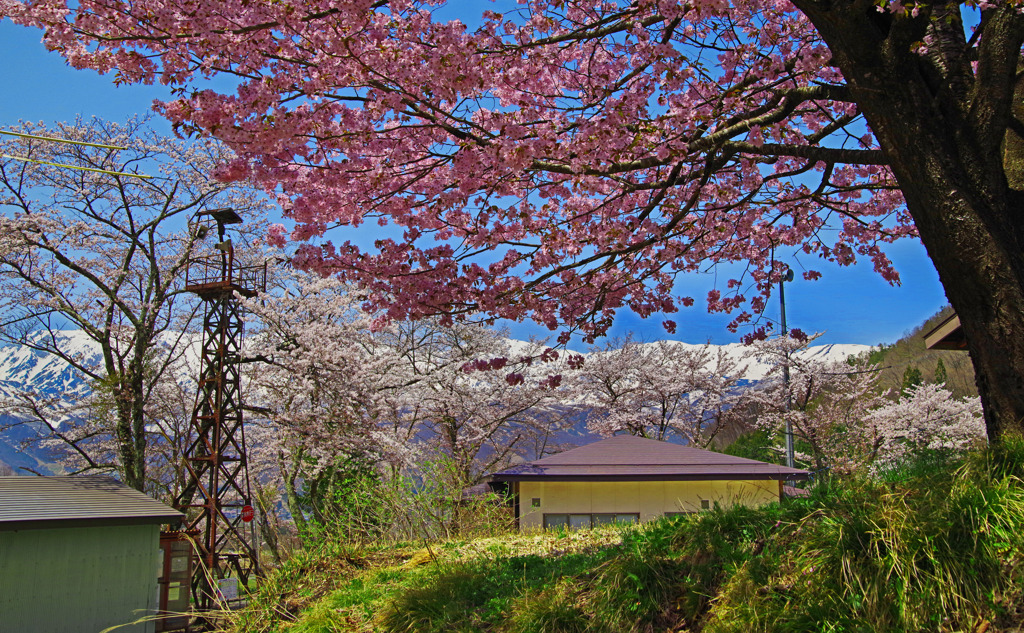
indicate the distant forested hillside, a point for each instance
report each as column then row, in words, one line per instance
column 908, row 359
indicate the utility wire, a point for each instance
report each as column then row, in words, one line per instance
column 64, row 140
column 99, row 171
column 60, row 140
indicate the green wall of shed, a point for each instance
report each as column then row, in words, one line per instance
column 78, row 580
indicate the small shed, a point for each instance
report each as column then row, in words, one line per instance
column 78, row 554
column 627, row 479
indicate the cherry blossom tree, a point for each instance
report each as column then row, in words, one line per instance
column 824, row 403
column 561, row 160
column 663, row 389
column 476, row 397
column 844, row 421
column 346, row 404
column 85, row 244
column 317, row 384
column 926, row 418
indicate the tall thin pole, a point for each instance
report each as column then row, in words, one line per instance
column 790, row 461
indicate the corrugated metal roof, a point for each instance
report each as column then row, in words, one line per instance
column 626, row 457
column 40, row 502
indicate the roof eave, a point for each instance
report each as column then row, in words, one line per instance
column 791, row 476
column 43, row 524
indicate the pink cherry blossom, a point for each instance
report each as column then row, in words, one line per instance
column 559, row 161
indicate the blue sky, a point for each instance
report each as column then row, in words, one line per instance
column 850, row 305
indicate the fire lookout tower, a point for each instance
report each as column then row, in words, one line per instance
column 216, row 498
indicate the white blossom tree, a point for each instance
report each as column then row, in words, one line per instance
column 94, row 236
column 317, row 386
column 662, row 390
column 843, row 420
column 474, row 396
column 337, row 393
column 926, row 418
column 824, row 402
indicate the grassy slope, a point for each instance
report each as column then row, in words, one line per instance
column 335, row 589
column 937, row 547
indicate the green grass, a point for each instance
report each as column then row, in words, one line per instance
column 935, row 546
column 481, row 594
column 300, row 596
column 939, row 550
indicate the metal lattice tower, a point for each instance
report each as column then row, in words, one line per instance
column 216, row 497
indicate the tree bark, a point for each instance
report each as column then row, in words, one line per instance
column 943, row 126
column 290, row 473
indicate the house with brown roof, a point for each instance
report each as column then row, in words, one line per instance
column 630, row 479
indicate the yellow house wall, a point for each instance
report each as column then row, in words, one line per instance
column 651, row 499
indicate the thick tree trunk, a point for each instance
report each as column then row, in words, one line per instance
column 942, row 126
column 130, row 433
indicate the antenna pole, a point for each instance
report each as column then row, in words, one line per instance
column 790, row 460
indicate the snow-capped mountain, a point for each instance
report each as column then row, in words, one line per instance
column 22, row 368
column 833, row 352
column 757, row 369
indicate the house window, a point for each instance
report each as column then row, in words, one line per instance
column 705, row 504
column 580, row 521
column 607, row 519
column 556, row 520
column 588, row 520
column 535, row 502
